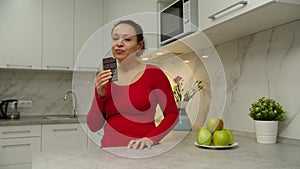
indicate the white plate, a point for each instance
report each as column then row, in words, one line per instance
column 217, row 147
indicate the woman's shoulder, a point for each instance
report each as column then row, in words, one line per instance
column 152, row 67
column 154, row 70
column 155, row 76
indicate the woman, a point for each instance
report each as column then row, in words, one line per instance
column 128, row 105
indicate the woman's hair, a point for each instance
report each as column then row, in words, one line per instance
column 138, row 30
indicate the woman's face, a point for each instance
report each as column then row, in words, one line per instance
column 124, row 42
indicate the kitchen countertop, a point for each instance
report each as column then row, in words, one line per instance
column 248, row 154
column 36, row 120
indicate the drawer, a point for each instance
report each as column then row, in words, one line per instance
column 20, row 131
column 17, row 166
column 18, row 150
column 61, row 137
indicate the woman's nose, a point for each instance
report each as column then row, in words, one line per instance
column 120, row 42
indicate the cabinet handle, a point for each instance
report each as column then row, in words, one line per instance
column 87, row 68
column 16, row 132
column 61, row 67
column 62, row 130
column 242, row 2
column 16, row 145
column 18, row 66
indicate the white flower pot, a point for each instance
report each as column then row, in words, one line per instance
column 266, row 131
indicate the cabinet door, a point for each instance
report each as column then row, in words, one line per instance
column 88, row 19
column 213, row 12
column 58, row 22
column 21, row 34
column 115, row 9
column 18, row 150
column 20, row 131
column 61, row 137
column 17, row 166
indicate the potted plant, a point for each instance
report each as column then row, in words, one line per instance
column 266, row 113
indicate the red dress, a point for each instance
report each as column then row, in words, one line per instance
column 129, row 110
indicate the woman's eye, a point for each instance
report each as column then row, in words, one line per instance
column 115, row 38
column 127, row 39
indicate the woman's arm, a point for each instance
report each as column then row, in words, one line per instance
column 96, row 117
column 167, row 104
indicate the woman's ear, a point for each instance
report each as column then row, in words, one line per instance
column 140, row 45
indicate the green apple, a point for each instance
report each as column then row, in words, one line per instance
column 204, row 137
column 221, row 138
column 231, row 137
column 214, row 124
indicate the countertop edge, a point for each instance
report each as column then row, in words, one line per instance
column 39, row 120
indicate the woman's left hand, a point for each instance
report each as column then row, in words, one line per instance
column 140, row 143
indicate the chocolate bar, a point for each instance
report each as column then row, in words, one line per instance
column 111, row 63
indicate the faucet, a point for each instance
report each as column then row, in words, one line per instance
column 74, row 100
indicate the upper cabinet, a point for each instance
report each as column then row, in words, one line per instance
column 116, row 9
column 88, row 19
column 58, row 32
column 220, row 21
column 226, row 20
column 20, row 34
column 50, row 34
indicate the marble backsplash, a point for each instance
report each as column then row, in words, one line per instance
column 263, row 64
column 46, row 89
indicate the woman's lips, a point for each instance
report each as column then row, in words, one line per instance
column 119, row 51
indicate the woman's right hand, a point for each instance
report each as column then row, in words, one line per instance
column 101, row 81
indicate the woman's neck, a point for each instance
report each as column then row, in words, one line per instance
column 129, row 64
column 129, row 71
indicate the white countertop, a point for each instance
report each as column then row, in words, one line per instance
column 184, row 155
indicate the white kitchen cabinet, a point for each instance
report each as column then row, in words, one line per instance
column 58, row 32
column 208, row 10
column 20, row 34
column 17, row 144
column 17, row 166
column 116, row 9
column 88, row 19
column 230, row 19
column 61, row 137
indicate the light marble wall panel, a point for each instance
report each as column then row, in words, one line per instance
column 263, row 64
column 46, row 89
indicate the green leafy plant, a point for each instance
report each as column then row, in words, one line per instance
column 267, row 109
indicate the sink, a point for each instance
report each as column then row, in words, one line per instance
column 60, row 117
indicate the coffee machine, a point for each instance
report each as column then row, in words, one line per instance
column 9, row 109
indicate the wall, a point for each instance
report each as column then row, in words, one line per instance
column 198, row 106
column 263, row 64
column 46, row 89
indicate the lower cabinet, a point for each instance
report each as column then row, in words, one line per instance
column 17, row 145
column 17, row 166
column 61, row 137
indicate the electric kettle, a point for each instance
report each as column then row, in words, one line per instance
column 9, row 109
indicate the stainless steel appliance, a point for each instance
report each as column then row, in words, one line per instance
column 178, row 20
column 9, row 109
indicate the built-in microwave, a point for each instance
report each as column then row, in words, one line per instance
column 178, row 20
